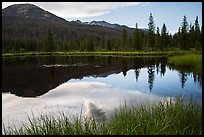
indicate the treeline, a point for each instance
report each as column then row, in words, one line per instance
column 188, row 37
column 28, row 35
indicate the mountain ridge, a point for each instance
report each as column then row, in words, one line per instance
column 32, row 11
column 110, row 25
column 25, row 28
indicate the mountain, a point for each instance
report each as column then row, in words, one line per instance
column 114, row 26
column 25, row 27
column 28, row 20
column 31, row 11
column 109, row 25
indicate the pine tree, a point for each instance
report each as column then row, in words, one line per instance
column 192, row 36
column 158, row 31
column 184, row 25
column 158, row 39
column 164, row 30
column 49, row 42
column 137, row 39
column 124, row 39
column 151, row 36
column 164, row 36
column 197, row 28
column 129, row 43
column 90, row 44
column 103, row 43
column 197, row 35
column 184, row 39
column 108, row 45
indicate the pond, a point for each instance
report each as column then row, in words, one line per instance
column 34, row 86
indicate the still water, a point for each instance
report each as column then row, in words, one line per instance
column 49, row 85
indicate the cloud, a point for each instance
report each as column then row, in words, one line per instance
column 72, row 98
column 79, row 9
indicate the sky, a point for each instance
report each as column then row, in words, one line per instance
column 125, row 13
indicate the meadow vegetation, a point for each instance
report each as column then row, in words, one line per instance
column 164, row 118
column 104, row 53
column 190, row 61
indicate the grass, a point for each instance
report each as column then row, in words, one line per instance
column 164, row 118
column 101, row 53
column 190, row 61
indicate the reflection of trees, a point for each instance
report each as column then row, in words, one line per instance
column 151, row 77
column 197, row 79
column 183, row 78
column 138, row 63
column 109, row 60
column 50, row 59
column 137, row 71
column 200, row 80
column 52, row 72
column 163, row 68
column 90, row 59
column 157, row 67
column 124, row 67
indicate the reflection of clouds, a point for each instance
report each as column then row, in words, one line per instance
column 93, row 110
column 71, row 98
column 77, row 89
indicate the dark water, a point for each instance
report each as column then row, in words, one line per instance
column 35, row 76
column 67, row 83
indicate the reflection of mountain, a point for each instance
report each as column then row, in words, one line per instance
column 29, row 77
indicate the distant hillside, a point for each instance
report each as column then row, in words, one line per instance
column 30, row 14
column 25, row 26
column 22, row 23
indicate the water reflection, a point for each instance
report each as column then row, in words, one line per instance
column 49, row 85
column 137, row 72
column 71, row 98
column 35, row 76
column 151, row 77
column 197, row 79
column 183, row 78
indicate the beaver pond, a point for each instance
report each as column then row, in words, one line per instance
column 33, row 86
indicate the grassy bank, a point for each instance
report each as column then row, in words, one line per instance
column 190, row 61
column 100, row 53
column 172, row 118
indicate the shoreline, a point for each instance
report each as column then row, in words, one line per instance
column 104, row 53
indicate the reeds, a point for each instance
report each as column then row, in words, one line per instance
column 192, row 61
column 164, row 118
column 103, row 53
